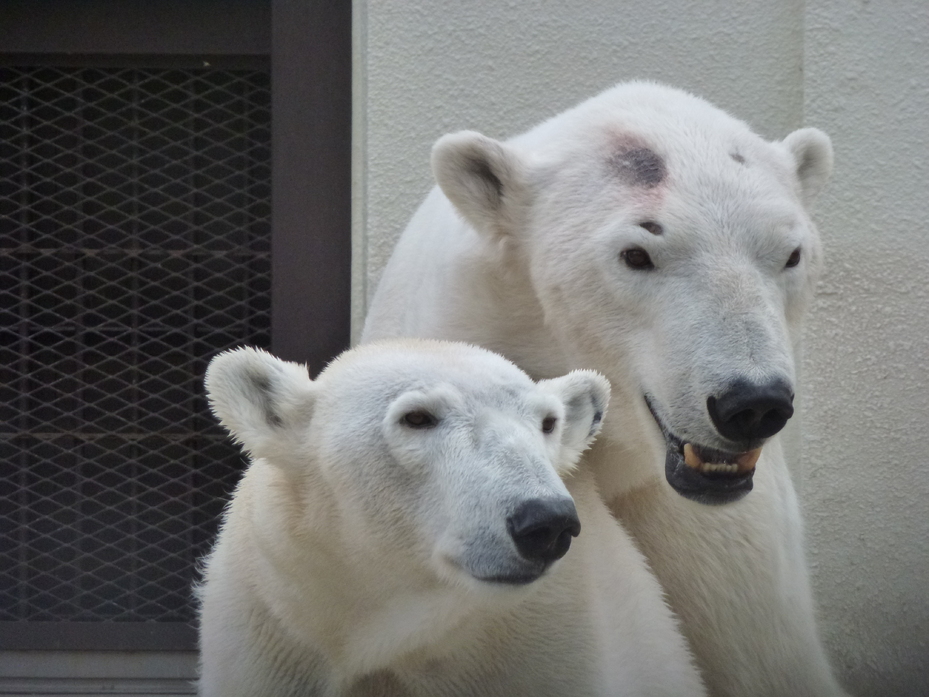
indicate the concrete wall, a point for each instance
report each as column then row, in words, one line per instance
column 866, row 489
column 857, row 69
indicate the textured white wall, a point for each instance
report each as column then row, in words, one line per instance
column 857, row 69
column 866, row 411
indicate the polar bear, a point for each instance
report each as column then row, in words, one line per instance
column 652, row 237
column 399, row 528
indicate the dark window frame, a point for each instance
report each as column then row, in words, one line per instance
column 308, row 47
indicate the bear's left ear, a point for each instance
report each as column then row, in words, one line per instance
column 265, row 403
column 586, row 395
column 483, row 178
column 811, row 150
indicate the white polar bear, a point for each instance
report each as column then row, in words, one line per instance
column 397, row 531
column 652, row 237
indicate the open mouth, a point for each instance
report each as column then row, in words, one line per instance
column 704, row 474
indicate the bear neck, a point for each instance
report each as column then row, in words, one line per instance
column 359, row 607
column 478, row 291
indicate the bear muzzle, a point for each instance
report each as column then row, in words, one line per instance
column 705, row 474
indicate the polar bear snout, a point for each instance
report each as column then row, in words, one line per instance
column 749, row 413
column 542, row 528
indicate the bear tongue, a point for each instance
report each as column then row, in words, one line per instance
column 741, row 464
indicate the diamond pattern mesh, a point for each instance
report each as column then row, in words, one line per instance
column 134, row 245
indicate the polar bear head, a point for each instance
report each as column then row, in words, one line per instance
column 421, row 458
column 668, row 247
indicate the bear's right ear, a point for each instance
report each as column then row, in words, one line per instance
column 483, row 178
column 586, row 395
column 811, row 151
column 264, row 402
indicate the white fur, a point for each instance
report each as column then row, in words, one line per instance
column 350, row 559
column 529, row 264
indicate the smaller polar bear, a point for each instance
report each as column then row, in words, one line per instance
column 399, row 529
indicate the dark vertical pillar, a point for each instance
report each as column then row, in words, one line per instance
column 311, row 179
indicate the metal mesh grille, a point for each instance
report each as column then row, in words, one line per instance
column 134, row 245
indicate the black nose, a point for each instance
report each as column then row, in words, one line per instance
column 749, row 412
column 542, row 528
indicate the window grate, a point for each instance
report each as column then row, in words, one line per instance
column 134, row 245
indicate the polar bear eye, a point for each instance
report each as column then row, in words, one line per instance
column 548, row 424
column 637, row 258
column 419, row 419
column 793, row 259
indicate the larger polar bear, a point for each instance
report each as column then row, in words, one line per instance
column 650, row 236
column 397, row 534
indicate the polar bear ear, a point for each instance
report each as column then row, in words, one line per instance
column 483, row 178
column 586, row 395
column 811, row 150
column 264, row 402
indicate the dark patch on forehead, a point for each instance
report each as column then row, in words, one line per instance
column 737, row 157
column 639, row 166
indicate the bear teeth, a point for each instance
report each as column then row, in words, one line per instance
column 746, row 461
column 720, row 467
column 691, row 459
column 741, row 463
